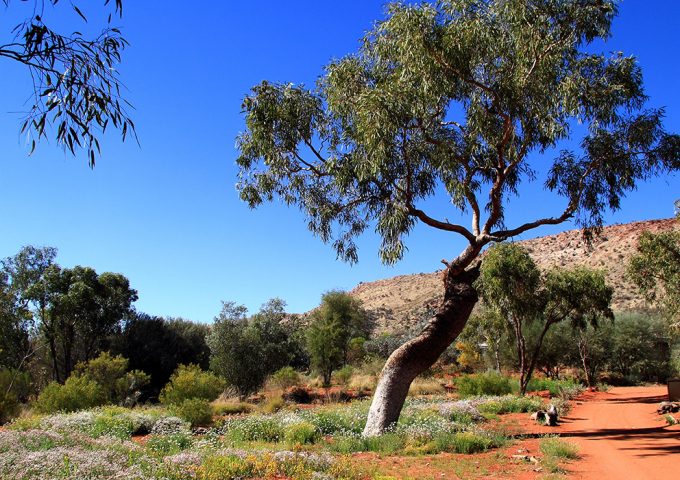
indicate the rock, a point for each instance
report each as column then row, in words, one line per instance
column 668, row 407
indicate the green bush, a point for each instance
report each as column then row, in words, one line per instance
column 231, row 408
column 9, row 407
column 79, row 392
column 196, row 411
column 188, row 382
column 111, row 373
column 285, row 378
column 487, row 384
column 344, row 375
column 558, row 448
column 301, row 433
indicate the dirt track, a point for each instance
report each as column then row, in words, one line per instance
column 622, row 437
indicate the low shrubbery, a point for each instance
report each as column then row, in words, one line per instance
column 189, row 382
column 285, row 378
column 9, row 407
column 77, row 393
column 487, row 384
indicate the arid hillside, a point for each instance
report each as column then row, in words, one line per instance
column 395, row 304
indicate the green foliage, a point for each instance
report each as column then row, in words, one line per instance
column 76, row 89
column 196, row 411
column 232, row 408
column 332, row 326
column 377, row 135
column 9, row 406
column 286, row 377
column 78, row 310
column 301, row 433
column 511, row 284
column 510, row 404
column 655, row 269
column 111, row 373
column 157, row 346
column 487, row 384
column 556, row 447
column 344, row 375
column 640, row 346
column 245, row 351
column 190, row 382
column 78, row 393
column 382, row 346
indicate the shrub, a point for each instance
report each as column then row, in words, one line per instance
column 9, row 407
column 344, row 375
column 196, row 411
column 111, row 373
column 558, row 448
column 188, row 382
column 299, row 395
column 79, row 392
column 285, row 378
column 487, row 384
column 301, row 433
column 231, row 408
column 274, row 405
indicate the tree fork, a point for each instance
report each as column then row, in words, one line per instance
column 416, row 356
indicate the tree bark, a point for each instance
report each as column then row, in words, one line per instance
column 416, row 356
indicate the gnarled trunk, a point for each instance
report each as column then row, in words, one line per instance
column 416, row 356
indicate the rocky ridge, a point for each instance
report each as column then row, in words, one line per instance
column 396, row 304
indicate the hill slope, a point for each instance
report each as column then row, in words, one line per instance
column 397, row 303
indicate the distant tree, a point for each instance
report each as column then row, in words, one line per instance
column 157, row 346
column 15, row 325
column 655, row 269
column 463, row 99
column 81, row 310
column 486, row 326
column 594, row 349
column 245, row 351
column 76, row 87
column 511, row 283
column 339, row 319
column 640, row 346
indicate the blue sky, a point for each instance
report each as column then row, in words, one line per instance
column 167, row 215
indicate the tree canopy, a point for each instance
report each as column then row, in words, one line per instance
column 458, row 94
column 76, row 87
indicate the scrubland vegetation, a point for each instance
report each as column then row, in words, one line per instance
column 273, row 393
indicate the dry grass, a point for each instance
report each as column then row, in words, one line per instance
column 421, row 386
column 362, row 382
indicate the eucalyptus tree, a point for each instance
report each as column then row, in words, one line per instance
column 76, row 87
column 465, row 97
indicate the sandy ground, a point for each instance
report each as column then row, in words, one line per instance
column 622, row 436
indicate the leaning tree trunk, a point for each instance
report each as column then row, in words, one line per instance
column 416, row 356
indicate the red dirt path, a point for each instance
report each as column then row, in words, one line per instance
column 622, row 437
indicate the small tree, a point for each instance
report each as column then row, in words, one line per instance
column 511, row 283
column 332, row 326
column 245, row 351
column 486, row 326
column 655, row 269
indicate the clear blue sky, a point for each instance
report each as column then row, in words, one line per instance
column 167, row 215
